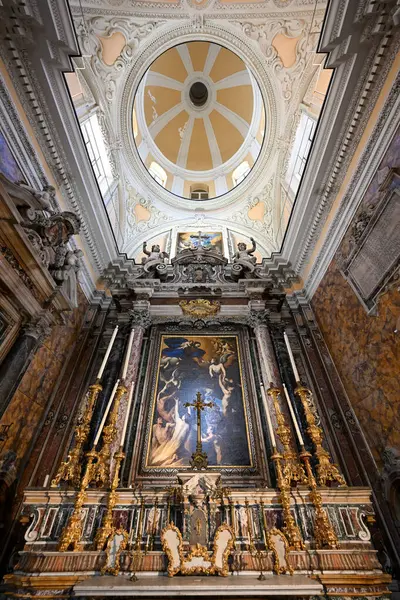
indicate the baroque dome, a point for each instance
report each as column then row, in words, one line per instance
column 198, row 120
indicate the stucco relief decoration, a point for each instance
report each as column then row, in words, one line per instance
column 263, row 224
column 89, row 34
column 136, row 225
column 265, row 34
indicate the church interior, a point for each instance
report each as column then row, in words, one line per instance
column 200, row 299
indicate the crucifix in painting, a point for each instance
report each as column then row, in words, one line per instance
column 199, row 458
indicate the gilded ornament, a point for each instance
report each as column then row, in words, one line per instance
column 326, row 470
column 178, row 562
column 290, row 529
column 113, row 555
column 107, row 527
column 324, row 534
column 70, row 469
column 71, row 535
column 200, row 307
column 199, row 458
column 293, row 471
column 101, row 469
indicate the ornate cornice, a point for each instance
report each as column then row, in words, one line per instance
column 367, row 166
column 18, row 139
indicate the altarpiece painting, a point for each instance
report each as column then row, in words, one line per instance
column 211, row 365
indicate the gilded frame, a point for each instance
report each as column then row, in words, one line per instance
column 117, row 566
column 257, row 470
column 198, row 550
column 278, row 568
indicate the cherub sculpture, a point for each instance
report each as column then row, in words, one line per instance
column 244, row 255
column 243, row 260
column 154, row 260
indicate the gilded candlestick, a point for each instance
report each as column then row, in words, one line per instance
column 101, row 469
column 324, row 534
column 70, row 469
column 290, row 528
column 292, row 470
column 72, row 533
column 107, row 526
column 326, row 470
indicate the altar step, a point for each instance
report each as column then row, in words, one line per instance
column 242, row 586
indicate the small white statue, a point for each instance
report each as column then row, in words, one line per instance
column 243, row 255
column 154, row 256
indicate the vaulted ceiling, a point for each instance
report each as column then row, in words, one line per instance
column 259, row 66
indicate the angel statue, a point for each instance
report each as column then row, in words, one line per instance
column 154, row 261
column 243, row 260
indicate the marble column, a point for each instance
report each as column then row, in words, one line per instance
column 268, row 363
column 139, row 320
column 19, row 357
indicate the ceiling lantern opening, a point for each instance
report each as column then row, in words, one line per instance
column 198, row 93
column 198, row 114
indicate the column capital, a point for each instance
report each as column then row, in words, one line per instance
column 257, row 318
column 38, row 328
column 140, row 318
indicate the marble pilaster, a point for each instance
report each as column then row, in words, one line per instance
column 139, row 321
column 19, row 357
column 268, row 364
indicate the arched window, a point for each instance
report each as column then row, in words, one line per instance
column 158, row 173
column 98, row 156
column 199, row 191
column 240, row 172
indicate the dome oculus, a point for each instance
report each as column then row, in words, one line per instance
column 198, row 114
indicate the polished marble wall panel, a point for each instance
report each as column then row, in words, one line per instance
column 365, row 347
column 26, row 409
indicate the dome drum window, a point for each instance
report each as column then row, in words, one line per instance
column 199, row 192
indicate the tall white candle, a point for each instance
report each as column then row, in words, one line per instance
column 128, row 408
column 128, row 354
column 100, row 429
column 295, row 371
column 46, row 480
column 269, row 422
column 295, row 423
column 107, row 354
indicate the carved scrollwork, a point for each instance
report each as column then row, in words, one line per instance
column 140, row 318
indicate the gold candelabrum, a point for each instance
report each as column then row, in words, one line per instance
column 107, row 525
column 292, row 471
column 72, row 533
column 101, row 468
column 97, row 470
column 290, row 529
column 324, row 534
column 326, row 470
column 70, row 469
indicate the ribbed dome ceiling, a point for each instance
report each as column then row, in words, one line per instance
column 198, row 115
